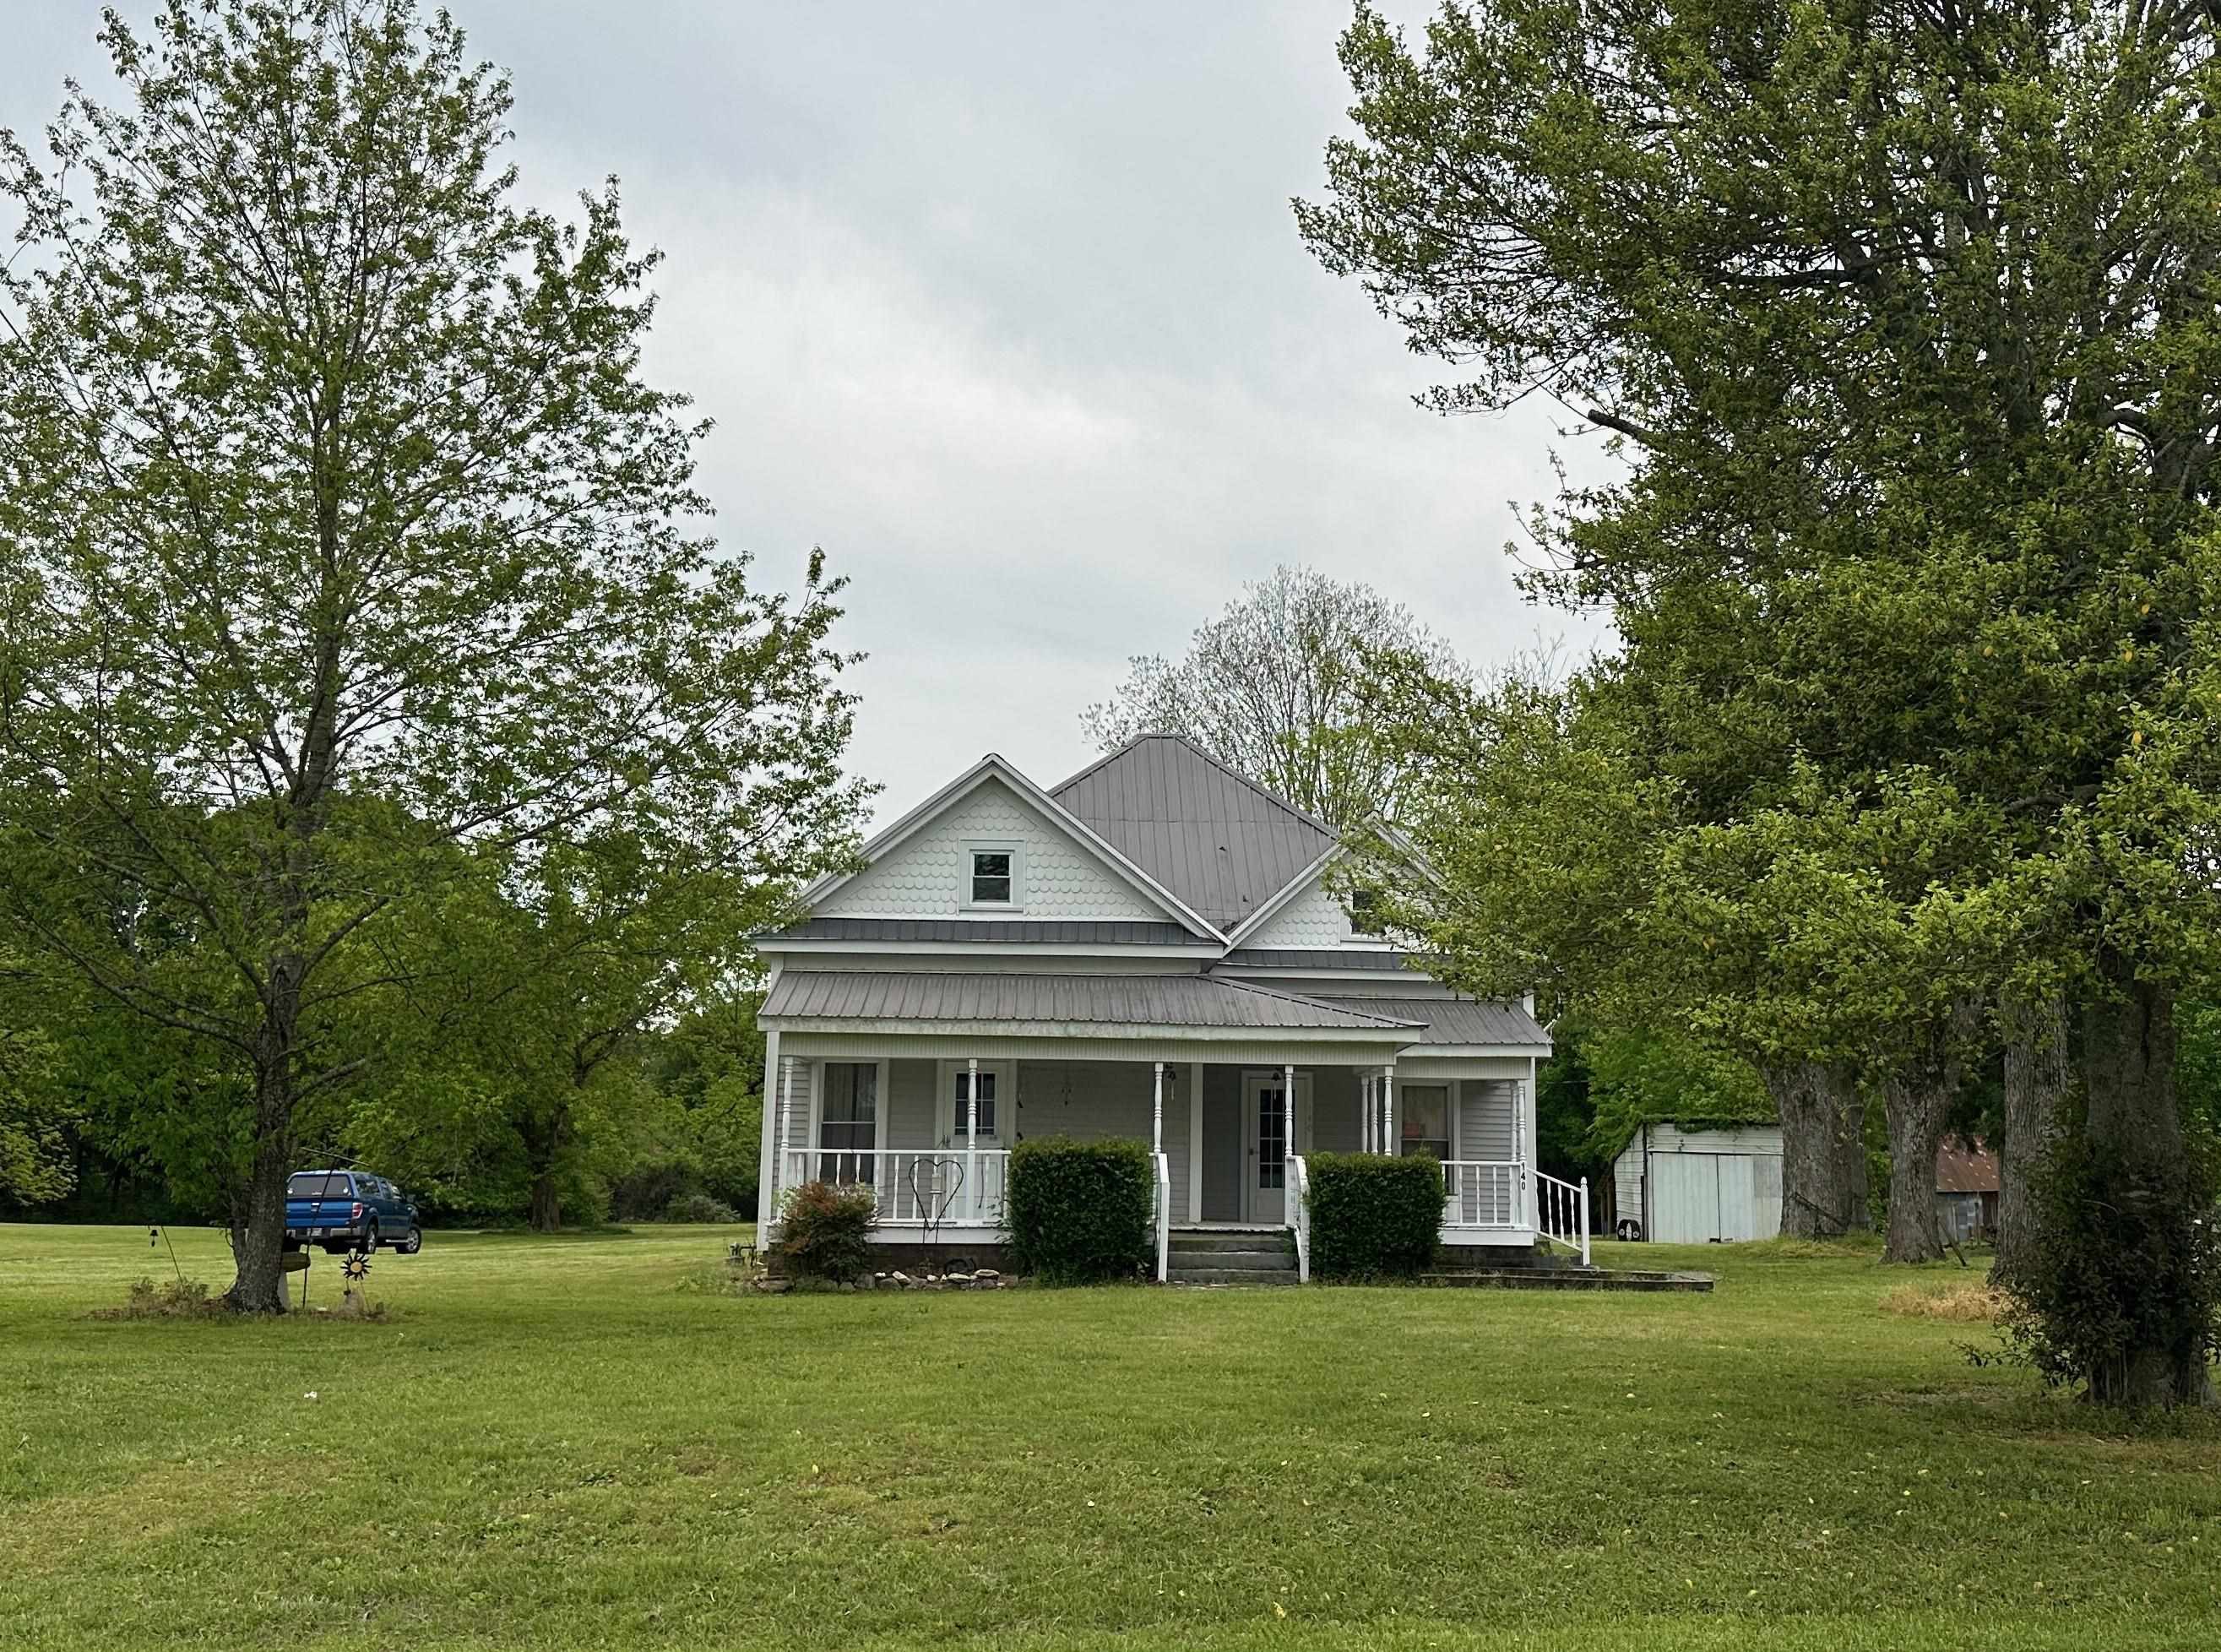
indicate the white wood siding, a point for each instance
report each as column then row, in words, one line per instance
column 910, row 1105
column 1485, row 1109
column 1097, row 1101
column 1337, row 1115
column 923, row 876
column 794, row 1110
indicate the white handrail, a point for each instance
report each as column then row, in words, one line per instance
column 1164, row 1201
column 1562, row 1213
column 933, row 1187
column 1298, row 1181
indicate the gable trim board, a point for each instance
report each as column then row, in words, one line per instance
column 991, row 766
column 1286, row 892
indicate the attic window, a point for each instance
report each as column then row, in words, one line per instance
column 990, row 874
column 1365, row 911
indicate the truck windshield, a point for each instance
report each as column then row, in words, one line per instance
column 317, row 1186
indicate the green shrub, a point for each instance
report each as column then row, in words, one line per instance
column 699, row 1207
column 2124, row 1275
column 824, row 1230
column 1081, row 1211
column 1372, row 1217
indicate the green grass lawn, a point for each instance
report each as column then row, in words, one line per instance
column 550, row 1443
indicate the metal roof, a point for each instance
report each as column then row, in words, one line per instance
column 1455, row 1021
column 1045, row 931
column 1342, row 960
column 1221, row 842
column 1092, row 1000
column 1965, row 1167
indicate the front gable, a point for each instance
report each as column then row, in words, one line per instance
column 925, row 871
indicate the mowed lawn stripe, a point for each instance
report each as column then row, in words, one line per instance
column 552, row 1441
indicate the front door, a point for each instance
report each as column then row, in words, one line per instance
column 1265, row 1142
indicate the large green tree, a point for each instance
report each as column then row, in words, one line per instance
column 340, row 533
column 1904, row 318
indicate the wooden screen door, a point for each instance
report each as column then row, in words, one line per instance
column 1264, row 1145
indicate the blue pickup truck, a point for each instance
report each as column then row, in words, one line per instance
column 348, row 1210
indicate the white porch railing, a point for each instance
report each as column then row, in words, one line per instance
column 1562, row 1213
column 1483, row 1193
column 944, row 1187
column 1298, row 1182
column 1164, row 1215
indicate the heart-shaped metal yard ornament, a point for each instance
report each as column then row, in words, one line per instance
column 933, row 1201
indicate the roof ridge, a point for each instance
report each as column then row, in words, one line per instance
column 1210, row 757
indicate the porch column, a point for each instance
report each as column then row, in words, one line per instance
column 778, row 1129
column 1388, row 1110
column 1519, row 1152
column 1195, row 1141
column 972, row 1133
column 1288, row 1136
column 1364, row 1112
column 1157, row 1114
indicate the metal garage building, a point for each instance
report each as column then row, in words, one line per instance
column 1693, row 1187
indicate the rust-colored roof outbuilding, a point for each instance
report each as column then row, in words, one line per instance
column 1965, row 1167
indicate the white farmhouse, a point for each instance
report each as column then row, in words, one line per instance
column 1147, row 950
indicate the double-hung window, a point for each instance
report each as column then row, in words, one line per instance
column 960, row 1107
column 993, row 875
column 1423, row 1119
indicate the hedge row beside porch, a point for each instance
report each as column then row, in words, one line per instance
column 1373, row 1216
column 1081, row 1211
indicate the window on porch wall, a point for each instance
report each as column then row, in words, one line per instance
column 961, row 1118
column 848, row 1124
column 1423, row 1119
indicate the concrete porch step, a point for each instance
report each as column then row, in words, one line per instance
column 1206, row 1240
column 1234, row 1261
column 1285, row 1274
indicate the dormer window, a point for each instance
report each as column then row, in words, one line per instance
column 992, row 875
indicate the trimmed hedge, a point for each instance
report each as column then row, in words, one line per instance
column 1372, row 1217
column 824, row 1230
column 1081, row 1212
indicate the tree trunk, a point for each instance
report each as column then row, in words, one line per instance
column 258, row 1242
column 544, row 1141
column 1823, row 1155
column 2140, row 1184
column 1916, row 1103
column 546, row 1204
column 2036, row 1081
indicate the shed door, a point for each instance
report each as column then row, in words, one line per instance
column 1685, row 1197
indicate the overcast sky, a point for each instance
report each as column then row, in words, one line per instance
column 1003, row 306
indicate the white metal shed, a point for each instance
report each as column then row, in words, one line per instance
column 1693, row 1187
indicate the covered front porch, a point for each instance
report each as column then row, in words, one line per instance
column 929, row 1125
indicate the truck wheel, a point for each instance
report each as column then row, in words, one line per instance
column 370, row 1238
column 414, row 1242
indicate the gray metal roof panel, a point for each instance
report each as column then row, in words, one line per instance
column 1126, row 932
column 1341, row 961
column 1093, row 1000
column 1455, row 1021
column 1221, row 842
